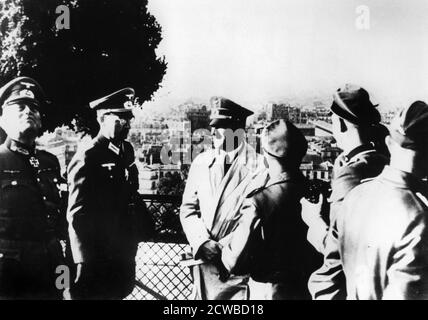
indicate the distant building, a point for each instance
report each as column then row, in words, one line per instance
column 308, row 130
column 197, row 114
column 148, row 179
column 199, row 118
column 155, row 131
column 323, row 128
column 320, row 171
column 317, row 104
column 312, row 157
column 62, row 143
column 388, row 116
column 150, row 153
column 277, row 111
column 150, row 175
column 330, row 153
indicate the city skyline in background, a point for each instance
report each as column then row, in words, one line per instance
column 283, row 60
column 256, row 52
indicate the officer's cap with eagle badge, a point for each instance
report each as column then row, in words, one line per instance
column 121, row 101
column 22, row 89
column 409, row 128
column 227, row 114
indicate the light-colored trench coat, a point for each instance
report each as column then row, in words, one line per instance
column 209, row 210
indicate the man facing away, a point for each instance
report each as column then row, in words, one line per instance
column 215, row 189
column 382, row 228
column 30, row 203
column 269, row 242
column 355, row 123
column 102, row 178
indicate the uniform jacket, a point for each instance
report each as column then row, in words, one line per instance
column 383, row 238
column 269, row 242
column 361, row 163
column 30, row 214
column 211, row 203
column 100, row 189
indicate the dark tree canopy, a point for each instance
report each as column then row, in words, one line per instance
column 110, row 44
column 172, row 183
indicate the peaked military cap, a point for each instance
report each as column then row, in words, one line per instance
column 409, row 128
column 353, row 104
column 226, row 113
column 282, row 139
column 22, row 89
column 116, row 102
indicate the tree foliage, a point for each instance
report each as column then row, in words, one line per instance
column 172, row 184
column 110, row 44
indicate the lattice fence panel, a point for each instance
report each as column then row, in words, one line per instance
column 158, row 270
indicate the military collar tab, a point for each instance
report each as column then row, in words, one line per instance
column 114, row 148
column 18, row 147
column 104, row 141
column 368, row 147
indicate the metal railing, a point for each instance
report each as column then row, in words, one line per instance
column 159, row 275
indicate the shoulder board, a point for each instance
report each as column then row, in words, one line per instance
column 363, row 156
column 356, row 159
column 422, row 198
column 367, row 179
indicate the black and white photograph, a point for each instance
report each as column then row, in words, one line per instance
column 213, row 150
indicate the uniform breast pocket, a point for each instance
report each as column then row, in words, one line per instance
column 17, row 193
column 49, row 182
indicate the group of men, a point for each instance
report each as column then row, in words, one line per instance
column 102, row 181
column 252, row 233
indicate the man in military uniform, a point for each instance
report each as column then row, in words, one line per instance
column 102, row 178
column 269, row 242
column 355, row 127
column 30, row 200
column 216, row 186
column 383, row 224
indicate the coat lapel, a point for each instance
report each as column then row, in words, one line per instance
column 233, row 179
column 215, row 170
column 229, row 181
column 215, row 175
column 232, row 186
column 244, row 165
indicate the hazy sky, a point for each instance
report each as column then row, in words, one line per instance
column 254, row 51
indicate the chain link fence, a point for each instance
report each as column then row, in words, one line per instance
column 159, row 275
